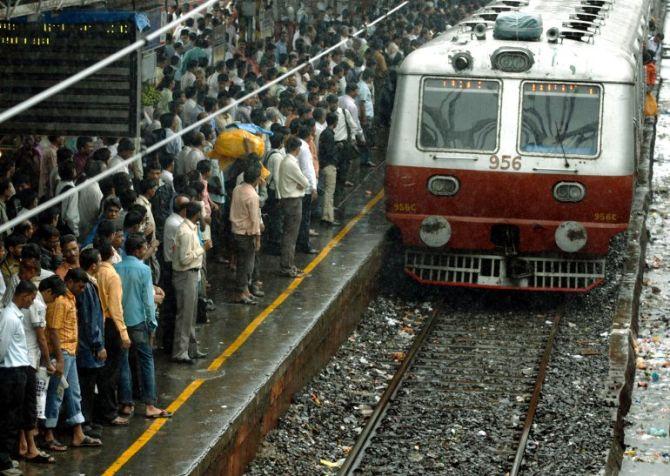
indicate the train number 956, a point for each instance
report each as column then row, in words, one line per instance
column 505, row 162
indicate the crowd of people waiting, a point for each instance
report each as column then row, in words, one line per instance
column 82, row 283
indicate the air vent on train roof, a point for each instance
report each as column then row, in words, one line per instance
column 488, row 15
column 577, row 35
column 585, row 26
column 590, row 17
column 515, row 3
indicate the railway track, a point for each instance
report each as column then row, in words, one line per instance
column 469, row 385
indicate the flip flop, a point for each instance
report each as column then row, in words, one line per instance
column 119, row 421
column 88, row 442
column 55, row 445
column 247, row 301
column 132, row 409
column 162, row 414
column 41, row 458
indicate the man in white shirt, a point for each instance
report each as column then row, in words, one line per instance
column 168, row 310
column 271, row 208
column 89, row 199
column 655, row 46
column 187, row 259
column 345, row 133
column 319, row 115
column 306, row 163
column 14, row 368
column 291, row 186
column 191, row 107
column 196, row 154
column 188, row 78
column 366, row 100
column 69, row 211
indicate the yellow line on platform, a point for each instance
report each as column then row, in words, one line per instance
column 153, row 429
column 150, row 432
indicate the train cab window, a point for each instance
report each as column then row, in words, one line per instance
column 560, row 119
column 459, row 114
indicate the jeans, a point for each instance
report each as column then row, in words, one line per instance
column 70, row 399
column 139, row 336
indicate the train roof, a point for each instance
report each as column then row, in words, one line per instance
column 597, row 41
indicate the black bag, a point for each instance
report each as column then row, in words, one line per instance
column 201, row 317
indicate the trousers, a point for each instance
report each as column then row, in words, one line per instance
column 106, row 405
column 329, row 174
column 186, row 292
column 246, row 258
column 291, row 217
column 12, row 393
column 70, row 398
column 141, row 348
column 303, row 231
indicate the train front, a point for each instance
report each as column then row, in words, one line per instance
column 510, row 165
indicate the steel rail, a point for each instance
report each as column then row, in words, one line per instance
column 122, row 165
column 356, row 454
column 535, row 399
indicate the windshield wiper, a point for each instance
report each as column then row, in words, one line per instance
column 559, row 139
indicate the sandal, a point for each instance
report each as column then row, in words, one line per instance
column 247, row 301
column 88, row 442
column 54, row 445
column 161, row 414
column 119, row 421
column 129, row 412
column 41, row 458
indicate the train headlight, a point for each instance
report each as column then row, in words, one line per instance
column 571, row 236
column 443, row 185
column 462, row 61
column 571, row 192
column 435, row 231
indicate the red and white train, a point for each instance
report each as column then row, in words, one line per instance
column 511, row 163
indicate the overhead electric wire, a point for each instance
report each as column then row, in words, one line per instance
column 122, row 165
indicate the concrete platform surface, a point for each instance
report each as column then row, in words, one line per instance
column 257, row 356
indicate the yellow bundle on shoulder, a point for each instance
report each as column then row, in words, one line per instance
column 233, row 144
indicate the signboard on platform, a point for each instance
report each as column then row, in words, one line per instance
column 36, row 56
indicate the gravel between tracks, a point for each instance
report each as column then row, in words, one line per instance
column 571, row 434
column 572, row 430
column 326, row 417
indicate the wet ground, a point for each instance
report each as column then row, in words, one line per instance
column 647, row 442
column 245, row 345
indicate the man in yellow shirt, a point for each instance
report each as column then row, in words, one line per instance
column 63, row 340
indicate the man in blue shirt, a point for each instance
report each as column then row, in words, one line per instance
column 140, row 318
column 91, row 352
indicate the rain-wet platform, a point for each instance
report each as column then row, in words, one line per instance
column 259, row 356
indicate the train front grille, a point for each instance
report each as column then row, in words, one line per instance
column 544, row 273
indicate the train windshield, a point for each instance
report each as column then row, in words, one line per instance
column 560, row 119
column 460, row 114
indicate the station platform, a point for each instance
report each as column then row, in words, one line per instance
column 258, row 356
